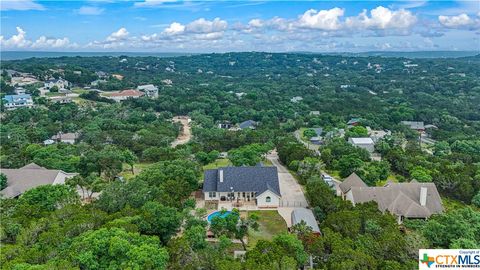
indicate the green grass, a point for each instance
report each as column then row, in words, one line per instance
column 138, row 167
column 79, row 90
column 270, row 224
column 54, row 94
column 302, row 137
column 221, row 162
column 267, row 162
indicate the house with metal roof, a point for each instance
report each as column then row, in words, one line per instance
column 11, row 102
column 403, row 200
column 247, row 184
column 365, row 143
column 31, row 176
column 306, row 215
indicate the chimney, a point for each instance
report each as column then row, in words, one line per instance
column 220, row 175
column 423, row 196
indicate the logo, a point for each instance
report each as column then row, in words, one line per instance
column 449, row 258
column 427, row 260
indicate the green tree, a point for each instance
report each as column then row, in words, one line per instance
column 159, row 220
column 3, row 181
column 309, row 133
column 115, row 248
column 130, row 159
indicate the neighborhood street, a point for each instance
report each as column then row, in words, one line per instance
column 310, row 146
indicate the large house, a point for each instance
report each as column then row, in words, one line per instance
column 12, row 102
column 59, row 83
column 31, row 176
column 150, row 90
column 258, row 184
column 404, row 200
column 124, row 95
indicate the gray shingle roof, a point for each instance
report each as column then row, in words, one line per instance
column 306, row 215
column 242, row 179
column 318, row 131
column 353, row 180
column 247, row 124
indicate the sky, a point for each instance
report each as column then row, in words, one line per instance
column 224, row 26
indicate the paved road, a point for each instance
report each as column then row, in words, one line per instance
column 185, row 134
column 310, row 146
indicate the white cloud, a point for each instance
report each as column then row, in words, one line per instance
column 382, row 18
column 119, row 35
column 20, row 41
column 256, row 23
column 16, row 41
column 20, row 5
column 89, row 10
column 459, row 21
column 152, row 3
column 45, row 43
column 202, row 26
column 175, row 28
column 323, row 19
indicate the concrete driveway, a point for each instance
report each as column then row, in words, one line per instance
column 291, row 191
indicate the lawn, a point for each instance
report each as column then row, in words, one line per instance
column 79, row 90
column 138, row 167
column 302, row 137
column 270, row 224
column 221, row 162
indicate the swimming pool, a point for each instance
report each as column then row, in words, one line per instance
column 221, row 214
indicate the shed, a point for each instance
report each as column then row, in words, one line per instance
column 304, row 214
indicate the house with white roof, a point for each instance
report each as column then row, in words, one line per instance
column 365, row 143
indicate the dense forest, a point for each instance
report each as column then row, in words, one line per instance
column 146, row 218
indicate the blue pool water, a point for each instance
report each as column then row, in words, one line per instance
column 218, row 214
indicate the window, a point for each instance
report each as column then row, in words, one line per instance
column 268, row 199
column 243, row 194
column 212, row 194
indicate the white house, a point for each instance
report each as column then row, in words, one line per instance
column 60, row 83
column 365, row 143
column 256, row 184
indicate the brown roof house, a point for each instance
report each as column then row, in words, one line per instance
column 29, row 177
column 404, row 200
column 124, row 95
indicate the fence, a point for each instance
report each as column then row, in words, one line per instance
column 287, row 203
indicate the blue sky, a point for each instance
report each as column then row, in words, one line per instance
column 220, row 26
